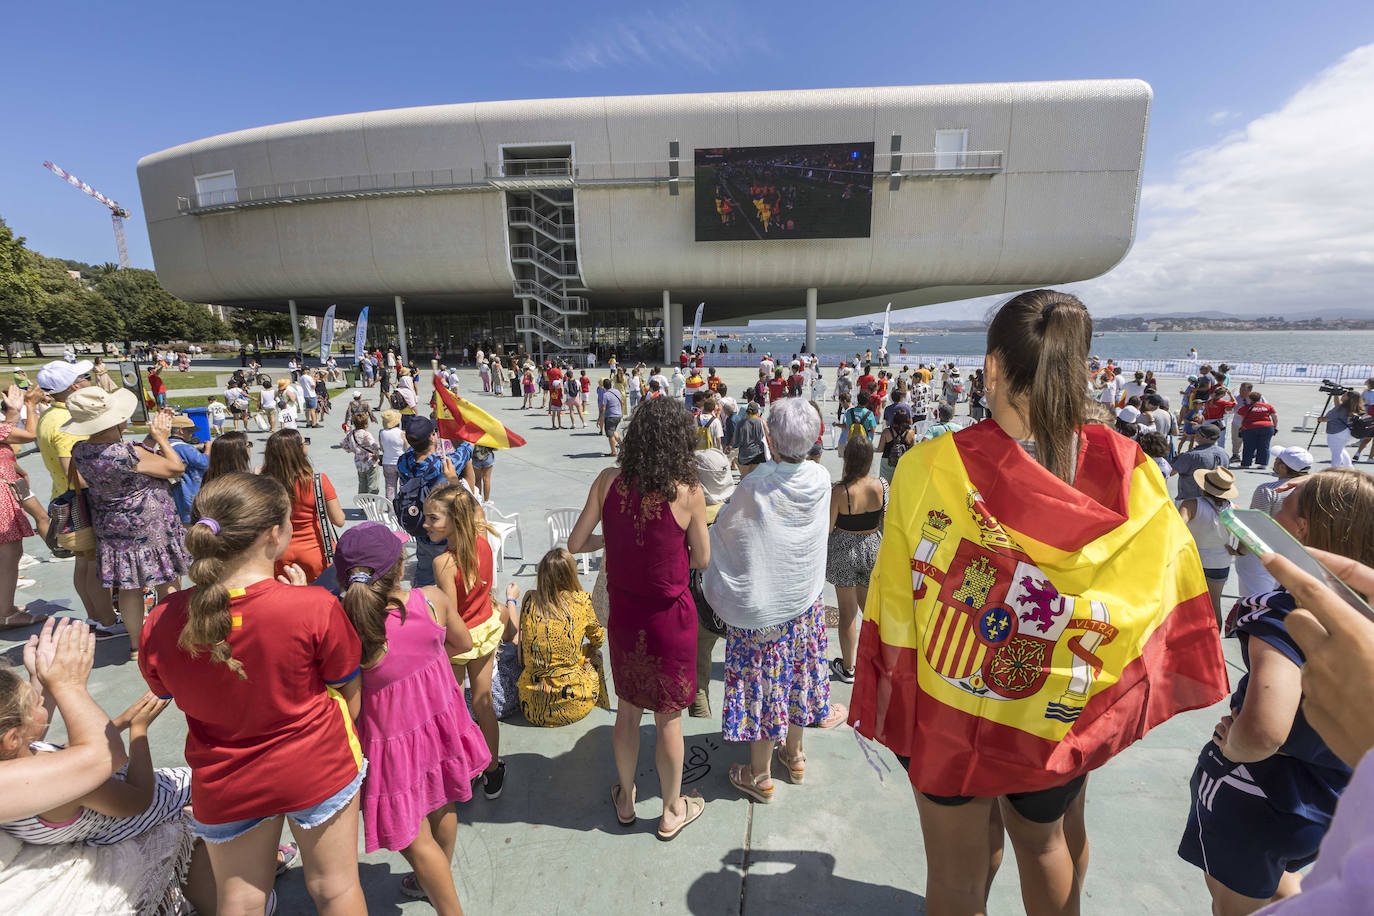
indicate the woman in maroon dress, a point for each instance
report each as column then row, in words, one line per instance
column 653, row 515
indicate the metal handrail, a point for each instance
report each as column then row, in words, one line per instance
column 525, row 216
column 564, row 270
column 550, row 299
column 530, row 168
column 970, row 162
column 567, row 338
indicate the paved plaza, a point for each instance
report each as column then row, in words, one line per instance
column 845, row 842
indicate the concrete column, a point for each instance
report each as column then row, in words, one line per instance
column 669, row 357
column 675, row 344
column 811, row 320
column 295, row 326
column 529, row 337
column 401, row 329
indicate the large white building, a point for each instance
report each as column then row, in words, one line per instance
column 574, row 219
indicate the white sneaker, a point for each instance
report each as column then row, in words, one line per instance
column 25, row 582
column 28, row 560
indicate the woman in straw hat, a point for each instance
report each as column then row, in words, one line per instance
column 393, row 442
column 1215, row 545
column 135, row 520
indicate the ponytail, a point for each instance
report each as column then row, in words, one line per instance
column 366, row 604
column 234, row 510
column 1040, row 340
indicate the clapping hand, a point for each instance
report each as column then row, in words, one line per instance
column 147, row 708
column 160, row 425
column 63, row 655
column 1338, row 643
column 14, row 399
column 450, row 472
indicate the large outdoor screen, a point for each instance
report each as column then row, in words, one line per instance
column 821, row 191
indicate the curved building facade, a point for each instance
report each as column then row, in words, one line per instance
column 562, row 214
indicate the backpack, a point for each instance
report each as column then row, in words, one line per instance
column 409, row 503
column 705, row 438
column 855, row 420
column 397, row 400
column 896, row 448
column 573, row 386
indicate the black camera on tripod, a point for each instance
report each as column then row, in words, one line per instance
column 1333, row 389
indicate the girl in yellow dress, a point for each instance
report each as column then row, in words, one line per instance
column 560, row 645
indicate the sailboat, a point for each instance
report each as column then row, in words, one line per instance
column 1156, row 335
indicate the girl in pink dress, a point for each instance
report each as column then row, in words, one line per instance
column 422, row 747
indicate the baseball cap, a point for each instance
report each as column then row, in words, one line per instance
column 1295, row 456
column 1128, row 414
column 419, row 430
column 1209, row 431
column 357, row 394
column 60, row 375
column 369, row 545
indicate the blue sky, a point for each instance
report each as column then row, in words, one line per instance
column 99, row 85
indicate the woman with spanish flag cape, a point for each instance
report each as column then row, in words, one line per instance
column 1036, row 607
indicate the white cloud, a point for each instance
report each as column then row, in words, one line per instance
column 706, row 41
column 1221, row 117
column 1275, row 215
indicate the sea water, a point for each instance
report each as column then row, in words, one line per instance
column 1212, row 346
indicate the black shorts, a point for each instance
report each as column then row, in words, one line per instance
column 1044, row 806
column 609, row 424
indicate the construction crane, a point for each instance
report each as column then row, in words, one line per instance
column 118, row 214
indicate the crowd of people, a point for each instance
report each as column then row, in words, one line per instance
column 354, row 682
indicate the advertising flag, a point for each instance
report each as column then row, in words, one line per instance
column 887, row 326
column 327, row 334
column 1020, row 631
column 457, row 418
column 696, row 325
column 360, row 336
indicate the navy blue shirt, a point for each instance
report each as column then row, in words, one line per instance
column 1313, row 795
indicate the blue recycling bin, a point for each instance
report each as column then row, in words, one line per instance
column 201, row 417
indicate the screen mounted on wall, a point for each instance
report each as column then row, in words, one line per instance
column 820, row 191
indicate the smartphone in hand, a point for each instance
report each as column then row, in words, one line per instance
column 1261, row 534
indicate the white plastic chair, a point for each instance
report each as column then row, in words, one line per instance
column 505, row 526
column 561, row 522
column 378, row 509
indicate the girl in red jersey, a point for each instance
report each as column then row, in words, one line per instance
column 267, row 675
column 464, row 573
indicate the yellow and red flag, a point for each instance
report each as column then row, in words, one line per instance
column 457, row 418
column 1020, row 631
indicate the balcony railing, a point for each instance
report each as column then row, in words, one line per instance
column 531, row 173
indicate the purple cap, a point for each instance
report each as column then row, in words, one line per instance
column 370, row 545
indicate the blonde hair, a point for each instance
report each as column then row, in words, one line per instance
column 465, row 516
column 555, row 578
column 1338, row 506
column 242, row 506
column 14, row 700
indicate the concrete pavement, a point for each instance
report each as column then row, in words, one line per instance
column 846, row 841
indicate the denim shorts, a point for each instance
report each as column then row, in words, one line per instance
column 312, row 403
column 307, row 818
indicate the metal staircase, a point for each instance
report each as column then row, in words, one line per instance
column 541, row 223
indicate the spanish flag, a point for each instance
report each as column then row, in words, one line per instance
column 456, row 418
column 1020, row 631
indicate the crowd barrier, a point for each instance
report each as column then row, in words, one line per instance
column 1347, row 373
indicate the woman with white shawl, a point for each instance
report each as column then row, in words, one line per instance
column 765, row 581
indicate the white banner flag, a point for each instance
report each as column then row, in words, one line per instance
column 696, row 325
column 327, row 334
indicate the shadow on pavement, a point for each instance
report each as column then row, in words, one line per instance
column 808, row 886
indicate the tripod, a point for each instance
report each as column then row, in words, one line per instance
column 1315, row 427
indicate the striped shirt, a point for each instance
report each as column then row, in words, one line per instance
column 171, row 793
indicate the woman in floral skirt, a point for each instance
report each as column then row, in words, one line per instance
column 768, row 548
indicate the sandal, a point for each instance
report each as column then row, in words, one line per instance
column 17, row 618
column 412, row 889
column 287, row 853
column 751, row 785
column 837, row 716
column 696, row 807
column 796, row 766
column 615, row 803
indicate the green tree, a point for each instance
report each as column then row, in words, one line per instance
column 266, row 329
column 152, row 314
column 20, row 291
